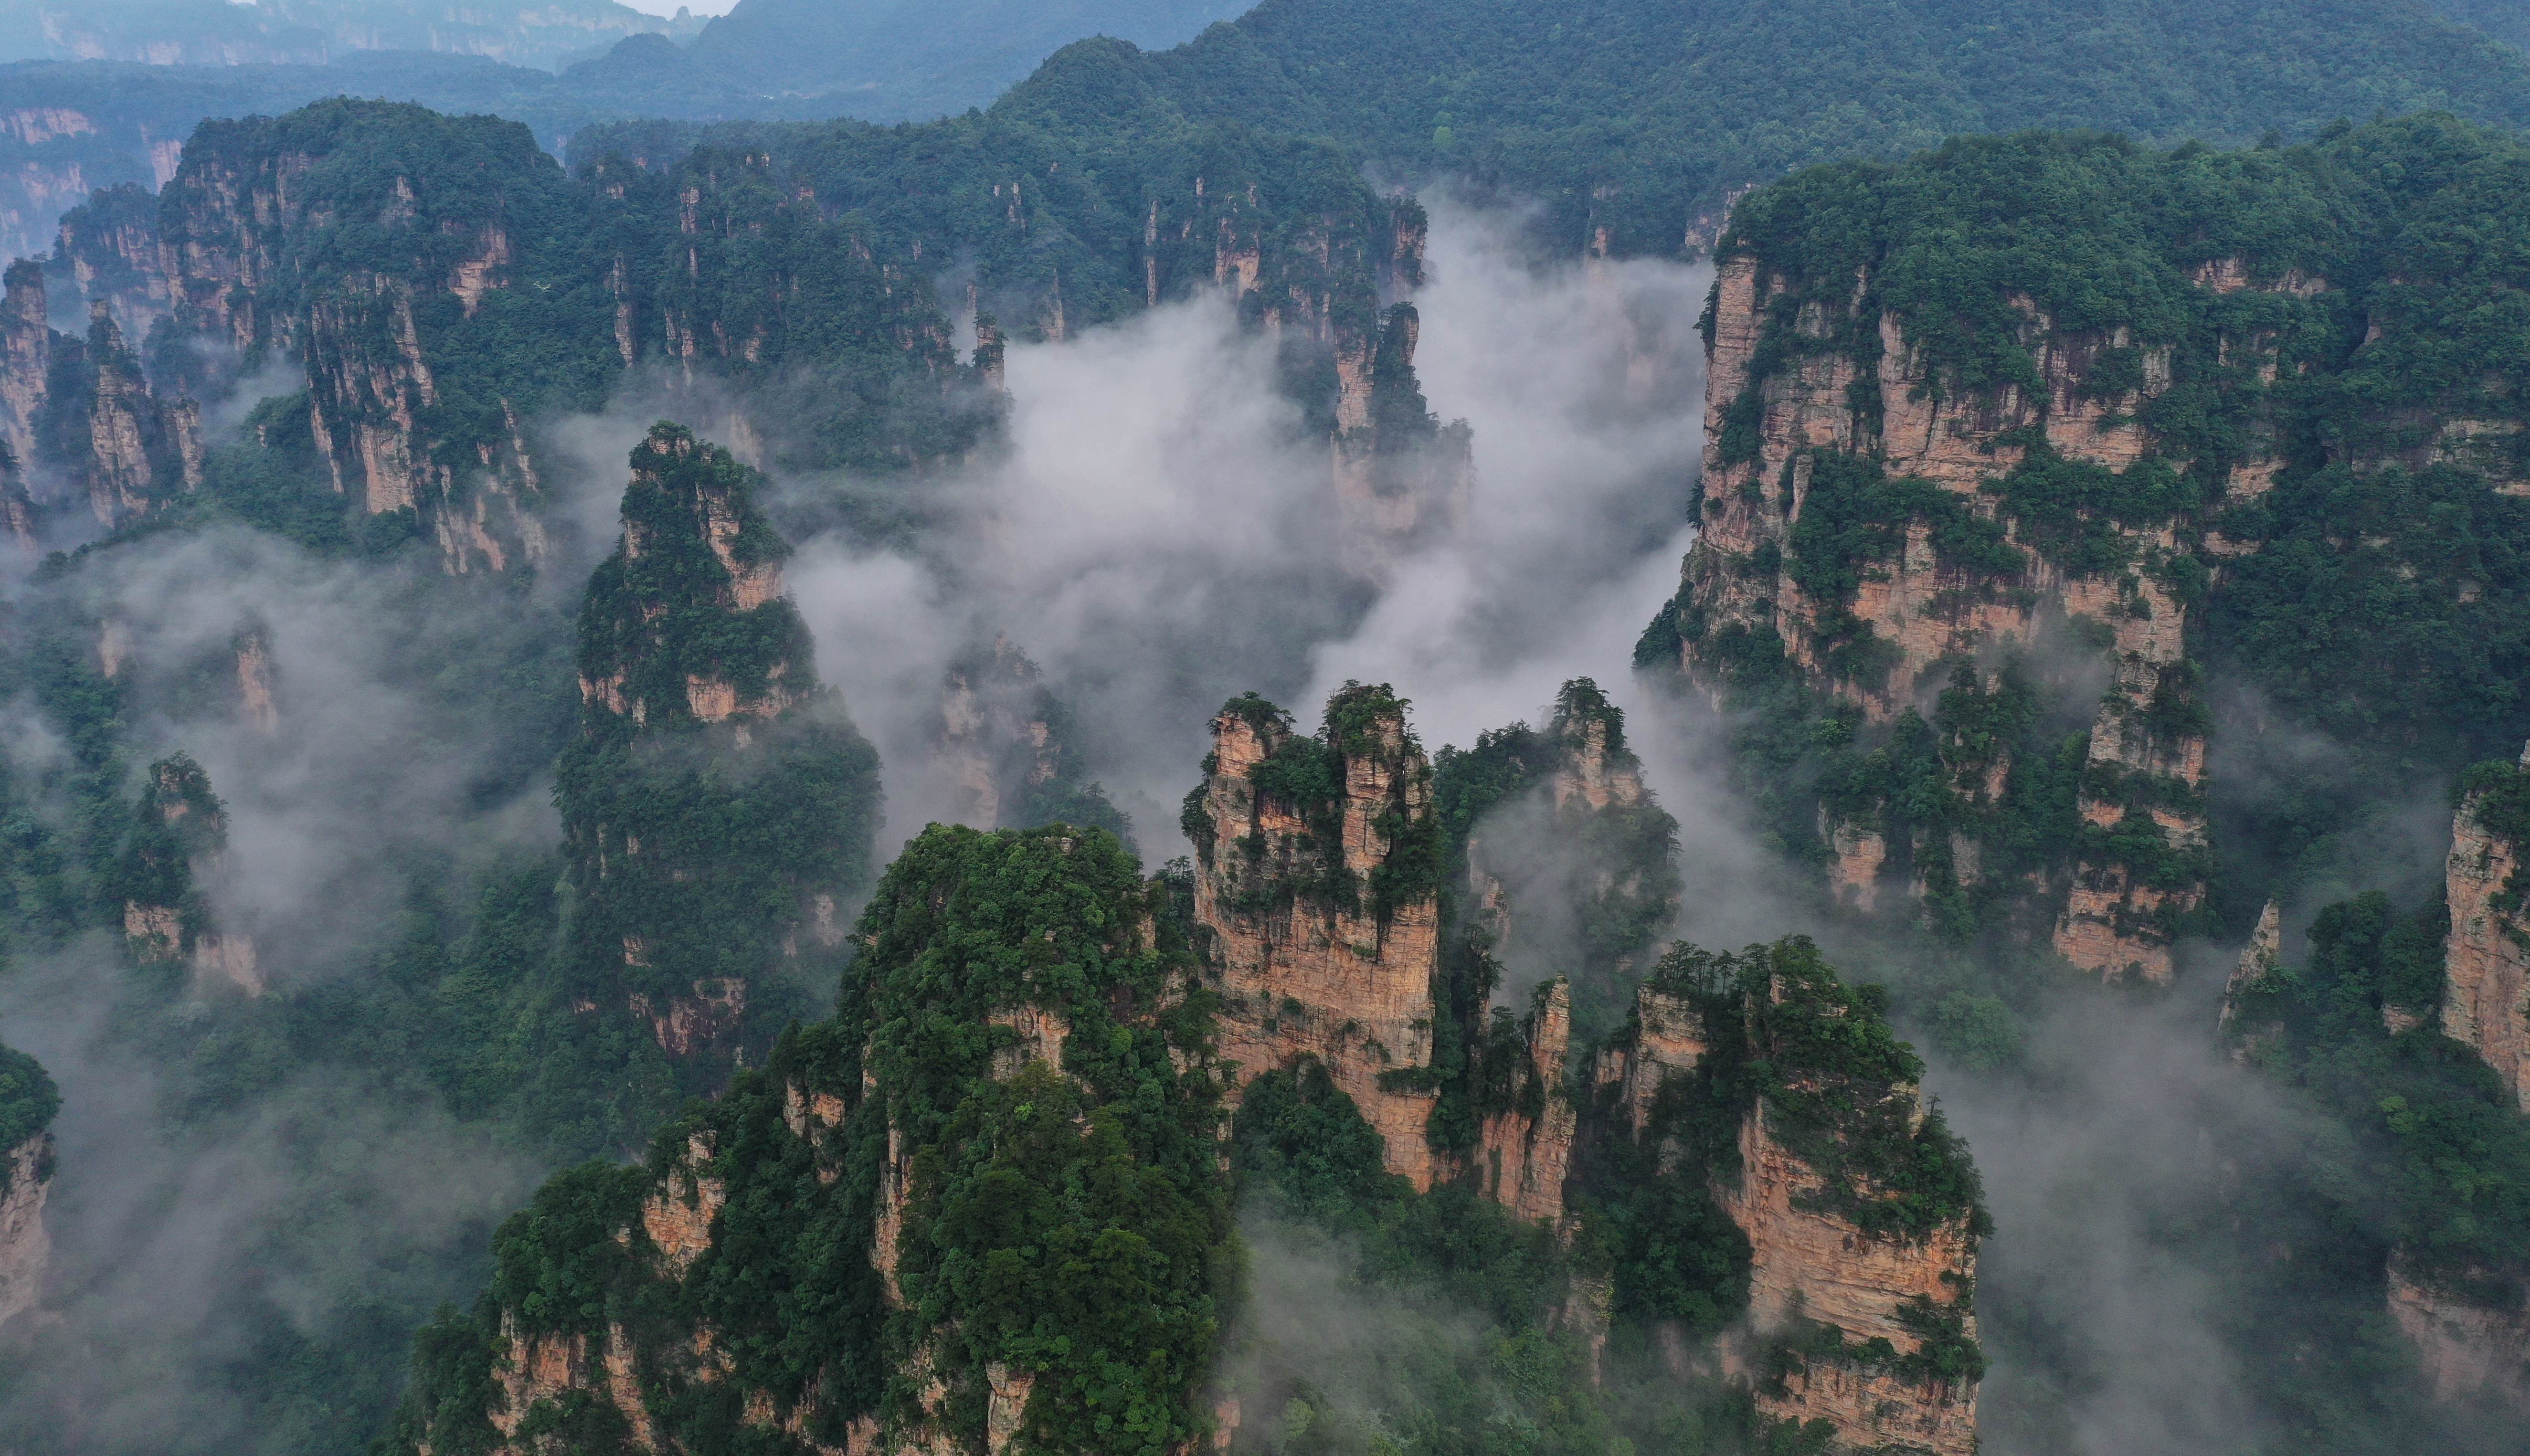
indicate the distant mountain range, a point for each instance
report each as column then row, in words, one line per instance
column 1634, row 117
column 547, row 33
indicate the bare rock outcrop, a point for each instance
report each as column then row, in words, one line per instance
column 1402, row 478
column 2485, row 962
column 1861, row 1308
column 2469, row 1347
column 25, row 357
column 246, row 268
column 1831, row 424
column 25, row 1249
column 1526, row 1153
column 141, row 450
column 175, row 854
column 1317, row 889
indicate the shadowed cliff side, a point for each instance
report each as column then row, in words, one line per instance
column 717, row 806
column 2410, row 1024
column 28, row 1103
column 178, row 843
column 1005, row 741
column 979, row 1205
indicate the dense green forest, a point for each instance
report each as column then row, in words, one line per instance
column 1622, row 114
column 1643, row 119
column 2382, row 604
column 847, row 1135
column 2353, row 640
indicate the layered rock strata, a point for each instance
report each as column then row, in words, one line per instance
column 1856, row 1317
column 1524, row 1155
column 2485, row 962
column 1819, row 394
column 142, row 450
column 1319, row 897
column 25, row 1248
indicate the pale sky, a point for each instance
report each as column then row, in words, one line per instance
column 669, row 7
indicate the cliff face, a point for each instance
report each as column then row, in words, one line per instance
column 178, row 843
column 939, row 1163
column 1005, row 744
column 2468, row 1349
column 1824, row 1270
column 444, row 287
column 81, row 414
column 1861, row 1271
column 28, row 1102
column 1877, row 522
column 1402, row 478
column 1524, row 1153
column 142, row 450
column 2258, row 962
column 25, row 1249
column 2487, row 960
column 26, row 359
column 290, row 235
column 709, row 765
column 1317, row 891
column 109, row 244
column 1570, row 863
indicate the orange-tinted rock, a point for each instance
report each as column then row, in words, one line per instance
column 1921, row 608
column 1665, row 1039
column 2466, row 1350
column 2486, row 958
column 1525, row 1157
column 1819, row 1267
column 25, row 1249
column 678, row 1215
column 1305, row 972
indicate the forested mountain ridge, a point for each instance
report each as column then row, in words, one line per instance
column 2060, row 493
column 2147, row 422
column 2053, row 486
column 442, row 284
column 1629, row 115
column 889, row 60
column 215, row 32
column 941, row 1220
column 1640, row 119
